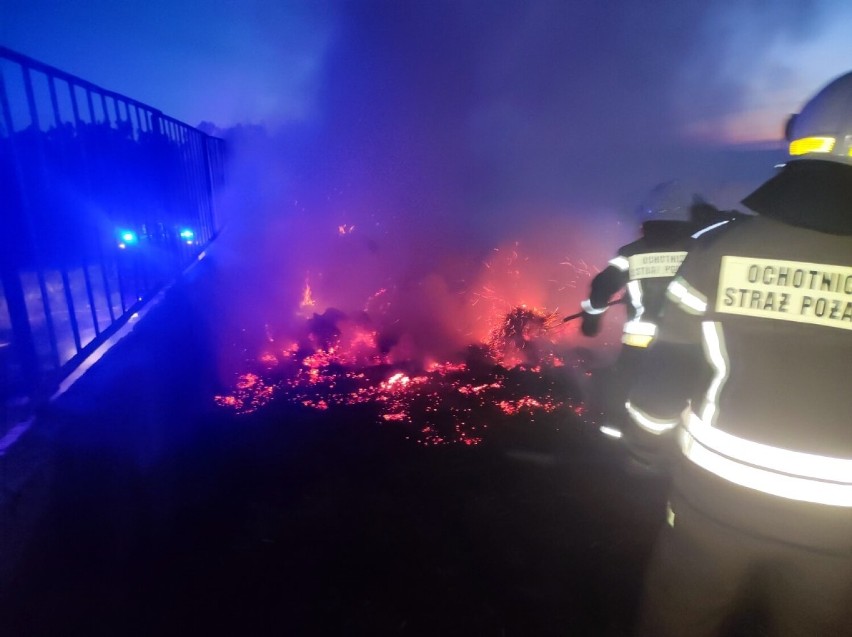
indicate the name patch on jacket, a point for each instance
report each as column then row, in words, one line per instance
column 787, row 290
column 655, row 264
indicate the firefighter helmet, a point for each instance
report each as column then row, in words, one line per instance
column 823, row 130
column 668, row 201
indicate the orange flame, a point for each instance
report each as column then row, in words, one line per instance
column 307, row 298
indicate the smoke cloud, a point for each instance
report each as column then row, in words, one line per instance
column 464, row 160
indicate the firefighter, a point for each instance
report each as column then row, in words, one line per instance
column 748, row 383
column 669, row 217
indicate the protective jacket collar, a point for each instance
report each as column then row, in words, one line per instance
column 809, row 194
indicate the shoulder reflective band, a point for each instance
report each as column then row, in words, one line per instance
column 650, row 424
column 646, row 265
column 813, row 293
column 709, row 228
column 807, row 145
column 785, row 485
column 620, row 262
column 687, row 297
column 588, row 308
column 638, row 333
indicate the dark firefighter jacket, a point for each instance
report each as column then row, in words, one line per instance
column 748, row 381
column 645, row 267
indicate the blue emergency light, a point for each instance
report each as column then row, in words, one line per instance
column 187, row 235
column 127, row 238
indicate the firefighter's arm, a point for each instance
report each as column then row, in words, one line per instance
column 659, row 396
column 673, row 372
column 609, row 281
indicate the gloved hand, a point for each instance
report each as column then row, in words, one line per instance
column 591, row 324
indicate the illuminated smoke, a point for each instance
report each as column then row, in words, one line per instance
column 501, row 362
column 386, row 287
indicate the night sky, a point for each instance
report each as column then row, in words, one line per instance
column 558, row 87
column 442, row 131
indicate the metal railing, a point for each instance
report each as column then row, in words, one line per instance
column 104, row 201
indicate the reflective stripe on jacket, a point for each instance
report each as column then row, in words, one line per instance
column 645, row 267
column 761, row 318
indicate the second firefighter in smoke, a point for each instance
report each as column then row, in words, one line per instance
column 671, row 216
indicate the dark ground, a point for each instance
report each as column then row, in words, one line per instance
column 164, row 515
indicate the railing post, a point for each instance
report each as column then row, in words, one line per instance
column 64, row 256
column 23, row 344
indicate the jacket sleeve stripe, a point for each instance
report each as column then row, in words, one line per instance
column 650, row 424
column 642, row 328
column 620, row 262
column 588, row 308
column 687, row 297
column 635, row 289
column 713, row 341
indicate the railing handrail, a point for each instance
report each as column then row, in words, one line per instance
column 25, row 60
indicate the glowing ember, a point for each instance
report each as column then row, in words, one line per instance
column 247, row 381
column 250, row 394
column 516, row 367
column 268, row 360
column 447, row 403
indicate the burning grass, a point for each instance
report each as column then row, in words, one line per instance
column 496, row 353
column 517, row 373
column 519, row 337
